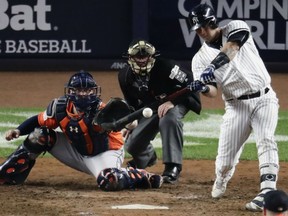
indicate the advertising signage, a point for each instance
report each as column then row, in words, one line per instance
column 99, row 31
column 268, row 20
column 63, row 29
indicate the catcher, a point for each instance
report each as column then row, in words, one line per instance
column 81, row 144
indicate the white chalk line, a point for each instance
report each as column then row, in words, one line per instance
column 139, row 206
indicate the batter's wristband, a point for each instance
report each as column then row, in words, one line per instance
column 220, row 60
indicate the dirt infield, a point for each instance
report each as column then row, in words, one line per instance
column 54, row 189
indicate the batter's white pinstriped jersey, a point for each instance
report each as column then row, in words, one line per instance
column 245, row 74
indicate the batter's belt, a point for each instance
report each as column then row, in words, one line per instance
column 250, row 96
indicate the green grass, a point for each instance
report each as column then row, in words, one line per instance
column 208, row 151
column 206, row 147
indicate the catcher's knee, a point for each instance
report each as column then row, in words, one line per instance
column 40, row 140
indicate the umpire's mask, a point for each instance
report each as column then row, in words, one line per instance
column 141, row 58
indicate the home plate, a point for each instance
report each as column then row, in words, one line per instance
column 139, row 206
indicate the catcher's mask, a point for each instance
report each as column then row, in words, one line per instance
column 202, row 15
column 141, row 58
column 83, row 91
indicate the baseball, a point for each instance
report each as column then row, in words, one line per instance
column 147, row 112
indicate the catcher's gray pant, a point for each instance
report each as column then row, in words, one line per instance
column 92, row 165
column 170, row 127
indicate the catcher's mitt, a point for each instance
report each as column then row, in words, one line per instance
column 115, row 109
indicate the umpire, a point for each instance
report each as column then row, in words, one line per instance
column 146, row 79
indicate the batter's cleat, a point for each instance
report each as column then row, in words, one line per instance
column 219, row 188
column 256, row 205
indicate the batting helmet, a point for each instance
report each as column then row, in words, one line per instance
column 201, row 16
column 83, row 91
column 141, row 56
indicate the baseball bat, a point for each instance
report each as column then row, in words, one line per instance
column 120, row 123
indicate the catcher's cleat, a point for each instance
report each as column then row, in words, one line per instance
column 171, row 173
column 256, row 205
column 219, row 188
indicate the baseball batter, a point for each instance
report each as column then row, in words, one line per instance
column 81, row 144
column 228, row 59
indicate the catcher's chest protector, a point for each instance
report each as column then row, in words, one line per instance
column 81, row 132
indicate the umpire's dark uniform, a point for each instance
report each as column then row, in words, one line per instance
column 170, row 126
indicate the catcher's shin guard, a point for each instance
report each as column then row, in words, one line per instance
column 18, row 165
column 113, row 179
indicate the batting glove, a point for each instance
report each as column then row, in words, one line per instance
column 198, row 86
column 207, row 75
